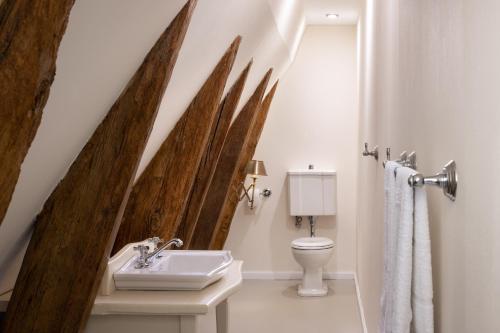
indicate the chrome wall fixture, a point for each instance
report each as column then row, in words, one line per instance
column 447, row 179
column 406, row 160
column 373, row 152
column 402, row 157
column 411, row 161
column 387, row 156
column 254, row 169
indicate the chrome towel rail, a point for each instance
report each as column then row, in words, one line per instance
column 447, row 179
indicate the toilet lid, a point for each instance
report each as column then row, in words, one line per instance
column 312, row 243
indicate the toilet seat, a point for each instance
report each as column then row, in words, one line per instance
column 312, row 243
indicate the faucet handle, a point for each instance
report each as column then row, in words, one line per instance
column 142, row 261
column 143, row 250
column 155, row 240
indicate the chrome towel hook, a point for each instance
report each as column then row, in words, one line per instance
column 402, row 157
column 387, row 156
column 447, row 179
column 411, row 161
column 373, row 152
column 405, row 159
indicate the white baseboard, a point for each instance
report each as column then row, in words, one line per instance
column 293, row 275
column 360, row 304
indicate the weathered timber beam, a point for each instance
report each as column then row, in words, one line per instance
column 226, row 170
column 74, row 232
column 158, row 198
column 30, row 34
column 226, row 217
column 209, row 160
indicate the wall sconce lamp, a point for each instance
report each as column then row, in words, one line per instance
column 254, row 169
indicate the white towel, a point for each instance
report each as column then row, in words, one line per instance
column 407, row 292
column 422, row 291
column 391, row 209
column 402, row 313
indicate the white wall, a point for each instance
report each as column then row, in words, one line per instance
column 431, row 85
column 104, row 44
column 313, row 120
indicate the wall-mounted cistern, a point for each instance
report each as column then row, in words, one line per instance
column 373, row 152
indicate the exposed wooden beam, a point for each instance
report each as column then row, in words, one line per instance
column 74, row 232
column 226, row 170
column 30, row 34
column 210, row 157
column 158, row 198
column 226, row 217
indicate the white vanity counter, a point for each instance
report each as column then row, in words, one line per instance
column 171, row 302
column 163, row 311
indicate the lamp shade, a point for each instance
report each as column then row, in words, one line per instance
column 256, row 168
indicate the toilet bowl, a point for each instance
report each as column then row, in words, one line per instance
column 312, row 253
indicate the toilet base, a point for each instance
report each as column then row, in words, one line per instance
column 315, row 292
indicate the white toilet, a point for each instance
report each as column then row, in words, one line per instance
column 312, row 253
column 312, row 193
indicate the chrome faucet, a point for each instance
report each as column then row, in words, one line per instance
column 175, row 241
column 144, row 257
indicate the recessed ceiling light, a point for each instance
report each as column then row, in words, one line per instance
column 332, row 16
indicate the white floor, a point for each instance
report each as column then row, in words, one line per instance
column 268, row 306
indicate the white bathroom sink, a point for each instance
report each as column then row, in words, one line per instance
column 175, row 270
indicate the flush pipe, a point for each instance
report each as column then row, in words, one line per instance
column 312, row 224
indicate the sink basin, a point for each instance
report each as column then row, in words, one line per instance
column 175, row 270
